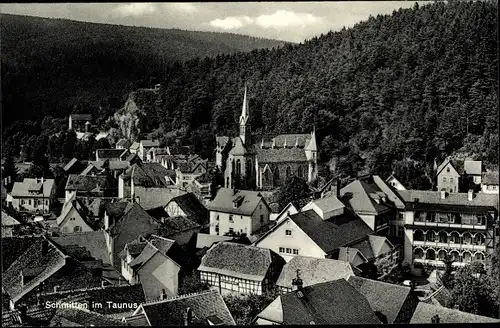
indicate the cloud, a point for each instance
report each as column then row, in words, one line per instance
column 231, row 22
column 135, row 9
column 284, row 18
column 183, row 7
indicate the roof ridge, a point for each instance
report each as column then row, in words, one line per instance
column 178, row 297
column 84, row 289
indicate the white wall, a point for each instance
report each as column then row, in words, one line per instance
column 71, row 220
column 241, row 223
column 298, row 240
column 261, row 209
column 493, row 189
column 369, row 220
column 173, row 209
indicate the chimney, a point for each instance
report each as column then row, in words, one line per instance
column 284, row 144
column 297, row 283
column 137, row 199
column 443, row 194
column 470, row 195
column 45, row 247
column 163, row 295
column 188, row 319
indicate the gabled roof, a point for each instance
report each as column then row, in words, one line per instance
column 349, row 254
column 77, row 206
column 371, row 247
column 149, row 175
column 390, row 192
column 314, row 271
column 81, row 117
column 124, row 210
column 109, row 153
column 386, row 298
column 454, row 200
column 205, row 240
column 238, row 260
column 362, row 197
column 247, row 201
column 166, row 247
column 150, row 143
column 8, row 221
column 280, row 155
column 490, row 178
column 94, row 242
column 329, row 303
column 192, row 207
column 14, row 247
column 23, row 189
column 178, row 224
column 458, row 165
column 473, row 167
column 424, row 313
column 171, row 312
column 135, row 146
column 113, row 165
column 328, row 204
column 238, row 147
column 90, row 183
column 123, row 143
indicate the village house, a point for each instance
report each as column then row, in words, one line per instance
column 313, row 271
column 307, row 234
column 201, row 187
column 433, row 314
column 123, row 144
column 158, row 264
column 264, row 162
column 93, row 241
column 328, row 303
column 181, row 229
column 145, row 146
column 8, row 225
column 74, row 218
column 114, row 168
column 372, row 249
column 438, row 224
column 205, row 308
column 240, row 269
column 458, row 175
column 149, row 184
column 33, row 195
column 153, row 154
column 394, row 183
column 187, row 172
column 80, row 122
column 237, row 212
column 45, row 267
column 188, row 205
column 395, row 304
column 85, row 186
column 124, row 222
column 489, row 183
column 112, row 154
column 290, row 209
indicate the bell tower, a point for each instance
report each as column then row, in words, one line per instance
column 245, row 128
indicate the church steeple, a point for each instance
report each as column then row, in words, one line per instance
column 244, row 120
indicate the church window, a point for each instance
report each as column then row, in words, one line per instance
column 267, row 176
column 227, row 182
column 300, row 171
column 238, row 167
column 288, row 171
column 276, row 175
column 232, row 166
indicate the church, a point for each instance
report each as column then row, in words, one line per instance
column 250, row 161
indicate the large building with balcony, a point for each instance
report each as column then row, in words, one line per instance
column 461, row 225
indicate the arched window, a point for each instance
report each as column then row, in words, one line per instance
column 300, row 171
column 418, row 235
column 288, row 172
column 467, row 238
column 443, row 237
column 276, row 175
column 442, row 254
column 418, row 253
column 467, row 257
column 267, row 175
column 238, row 167
column 430, row 254
column 248, row 168
column 430, row 236
column 479, row 239
column 232, row 166
column 479, row 256
column 455, row 256
column 455, row 237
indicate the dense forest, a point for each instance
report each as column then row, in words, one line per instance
column 51, row 65
column 394, row 93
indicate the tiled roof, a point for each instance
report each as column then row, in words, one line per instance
column 442, row 296
column 329, row 204
column 364, row 247
column 192, row 207
column 314, row 271
column 135, row 145
column 22, row 189
column 148, row 252
column 453, row 199
column 457, row 164
column 103, row 154
column 238, row 147
column 225, row 198
column 329, row 303
column 361, row 197
column 150, row 143
column 490, row 178
column 14, row 247
column 113, row 165
column 349, row 254
column 280, row 155
column 94, row 242
column 206, row 240
column 8, row 220
column 84, row 318
column 123, row 210
column 386, row 298
column 178, row 224
column 238, row 260
column 377, row 242
column 327, row 235
column 150, row 175
column 89, row 183
column 171, row 312
column 81, row 117
column 49, row 263
column 424, row 312
column 302, row 140
column 473, row 167
column 390, row 192
column 36, row 316
column 123, row 143
column 190, row 166
column 137, row 320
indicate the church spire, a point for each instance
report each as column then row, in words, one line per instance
column 312, row 143
column 244, row 111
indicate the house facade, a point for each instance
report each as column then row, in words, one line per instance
column 33, row 195
column 80, row 122
column 458, row 175
column 461, row 225
column 489, row 183
column 73, row 218
column 237, row 212
column 394, row 183
column 145, row 146
column 265, row 162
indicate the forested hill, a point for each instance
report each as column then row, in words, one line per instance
column 49, row 65
column 392, row 93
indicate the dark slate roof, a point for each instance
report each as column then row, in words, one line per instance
column 165, row 246
column 238, row 260
column 302, row 140
column 171, row 312
column 192, row 207
column 362, row 195
column 158, row 213
column 490, row 178
column 149, row 175
column 94, row 242
column 36, row 316
column 453, row 201
column 14, row 247
column 22, row 189
column 75, row 316
column 113, row 165
column 119, row 211
column 150, row 143
column 223, row 202
column 327, row 235
column 329, row 303
column 383, row 297
column 89, row 183
column 81, row 117
column 424, row 313
column 109, row 153
column 280, row 155
column 178, row 224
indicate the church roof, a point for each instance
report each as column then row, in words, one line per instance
column 238, row 148
column 278, row 155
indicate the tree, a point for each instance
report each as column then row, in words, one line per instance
column 494, row 273
column 472, row 291
column 191, row 283
column 447, row 278
column 294, row 189
column 245, row 309
column 10, row 172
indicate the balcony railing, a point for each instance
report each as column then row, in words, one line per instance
column 438, row 262
column 449, row 225
column 437, row 244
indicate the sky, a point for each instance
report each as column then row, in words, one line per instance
column 287, row 21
